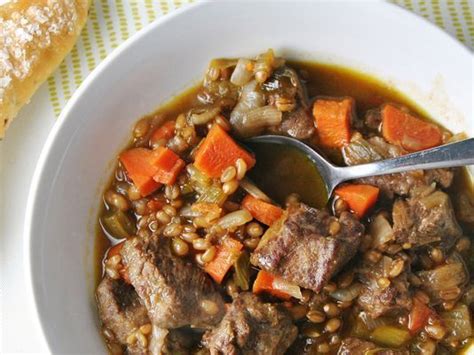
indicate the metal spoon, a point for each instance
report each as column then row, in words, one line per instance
column 445, row 156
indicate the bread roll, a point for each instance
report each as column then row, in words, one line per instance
column 35, row 36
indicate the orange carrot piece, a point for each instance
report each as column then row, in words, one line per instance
column 264, row 283
column 360, row 198
column 137, row 162
column 145, row 184
column 333, row 121
column 419, row 316
column 262, row 211
column 168, row 165
column 165, row 131
column 411, row 133
column 226, row 254
column 218, row 151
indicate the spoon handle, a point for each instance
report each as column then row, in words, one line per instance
column 445, row 156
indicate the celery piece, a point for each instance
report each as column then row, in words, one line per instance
column 118, row 224
column 391, row 336
column 242, row 271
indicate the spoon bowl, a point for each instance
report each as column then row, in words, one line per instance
column 446, row 156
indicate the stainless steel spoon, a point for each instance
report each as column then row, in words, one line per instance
column 445, row 156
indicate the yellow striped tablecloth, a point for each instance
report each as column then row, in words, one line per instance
column 112, row 21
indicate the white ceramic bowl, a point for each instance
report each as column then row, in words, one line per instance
column 162, row 60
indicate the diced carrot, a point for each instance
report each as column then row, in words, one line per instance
column 262, row 211
column 145, row 184
column 218, row 151
column 360, row 198
column 411, row 133
column 226, row 254
column 148, row 169
column 137, row 162
column 333, row 121
column 419, row 316
column 264, row 283
column 168, row 165
column 165, row 131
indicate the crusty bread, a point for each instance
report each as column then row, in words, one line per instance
column 35, row 36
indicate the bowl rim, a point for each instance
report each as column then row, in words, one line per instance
column 32, row 200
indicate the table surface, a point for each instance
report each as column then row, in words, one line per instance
column 110, row 23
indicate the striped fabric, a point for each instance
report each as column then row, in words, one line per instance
column 112, row 21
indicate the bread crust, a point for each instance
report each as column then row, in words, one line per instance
column 35, row 36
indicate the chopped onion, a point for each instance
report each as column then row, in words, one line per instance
column 216, row 66
column 372, row 323
column 359, row 151
column 346, row 294
column 386, row 150
column 445, row 277
column 437, row 198
column 157, row 339
column 386, row 264
column 286, row 287
column 458, row 323
column 262, row 117
column 235, row 219
column 253, row 190
column 204, row 116
column 250, row 99
column 380, row 230
column 241, row 75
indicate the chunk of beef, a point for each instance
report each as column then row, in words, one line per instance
column 447, row 281
column 377, row 299
column 298, row 124
column 403, row 184
column 425, row 219
column 301, row 249
column 442, row 177
column 361, row 151
column 373, row 119
column 356, row 346
column 407, row 183
column 173, row 341
column 251, row 327
column 175, row 291
column 285, row 83
column 284, row 86
column 465, row 207
column 121, row 313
